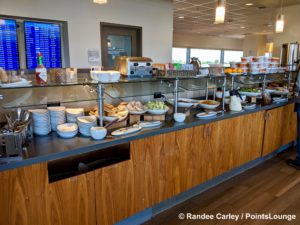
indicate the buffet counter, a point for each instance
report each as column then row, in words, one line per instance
column 82, row 181
column 52, row 147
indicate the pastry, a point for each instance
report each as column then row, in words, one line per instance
column 3, row 76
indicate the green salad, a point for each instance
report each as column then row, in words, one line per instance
column 254, row 90
column 156, row 105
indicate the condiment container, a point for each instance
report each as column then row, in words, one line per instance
column 235, row 101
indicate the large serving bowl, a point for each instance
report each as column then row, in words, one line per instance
column 209, row 104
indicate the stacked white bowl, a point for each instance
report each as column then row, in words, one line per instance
column 73, row 113
column 67, row 130
column 85, row 124
column 41, row 121
column 57, row 116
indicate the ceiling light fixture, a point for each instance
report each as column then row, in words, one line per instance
column 100, row 1
column 180, row 17
column 280, row 21
column 249, row 4
column 220, row 12
column 243, row 27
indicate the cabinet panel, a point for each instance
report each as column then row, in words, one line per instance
column 280, row 128
column 116, row 196
column 232, row 143
column 72, row 201
column 22, row 195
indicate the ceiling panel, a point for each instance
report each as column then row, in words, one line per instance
column 240, row 19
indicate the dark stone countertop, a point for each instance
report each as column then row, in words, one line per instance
column 52, row 147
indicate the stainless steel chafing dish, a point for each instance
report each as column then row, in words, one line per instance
column 134, row 66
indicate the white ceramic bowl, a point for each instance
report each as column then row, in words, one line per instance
column 179, row 117
column 157, row 111
column 207, row 106
column 86, row 119
column 98, row 133
column 67, row 130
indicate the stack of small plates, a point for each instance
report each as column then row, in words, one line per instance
column 41, row 121
column 73, row 113
column 85, row 124
column 57, row 116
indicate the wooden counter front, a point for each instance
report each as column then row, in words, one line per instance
column 159, row 168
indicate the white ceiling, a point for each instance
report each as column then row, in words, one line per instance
column 239, row 20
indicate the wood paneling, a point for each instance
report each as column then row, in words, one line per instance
column 116, row 196
column 22, row 195
column 72, row 201
column 231, row 143
column 280, row 128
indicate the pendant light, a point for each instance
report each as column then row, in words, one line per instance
column 280, row 21
column 220, row 12
column 100, row 1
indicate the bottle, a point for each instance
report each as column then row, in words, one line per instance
column 235, row 103
column 40, row 71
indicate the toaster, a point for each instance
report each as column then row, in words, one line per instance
column 134, row 66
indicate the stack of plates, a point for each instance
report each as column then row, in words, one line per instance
column 41, row 121
column 85, row 124
column 57, row 116
column 73, row 113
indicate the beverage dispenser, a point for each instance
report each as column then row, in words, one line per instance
column 289, row 56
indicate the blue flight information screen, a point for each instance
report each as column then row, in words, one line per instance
column 9, row 54
column 46, row 39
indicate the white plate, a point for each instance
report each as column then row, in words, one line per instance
column 22, row 83
column 157, row 111
column 279, row 100
column 126, row 131
column 277, row 92
column 235, row 74
column 206, row 106
column 137, row 112
column 149, row 124
column 204, row 115
column 248, row 107
column 190, row 102
column 251, row 94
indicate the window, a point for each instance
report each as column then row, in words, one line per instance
column 232, row 56
column 179, row 55
column 207, row 56
column 27, row 37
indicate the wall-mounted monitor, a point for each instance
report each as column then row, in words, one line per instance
column 9, row 54
column 46, row 39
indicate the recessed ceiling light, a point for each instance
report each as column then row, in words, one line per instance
column 180, row 17
column 243, row 27
column 249, row 4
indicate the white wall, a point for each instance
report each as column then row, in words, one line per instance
column 254, row 45
column 199, row 41
column 84, row 17
column 291, row 31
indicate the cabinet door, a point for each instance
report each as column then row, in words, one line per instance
column 156, row 166
column 22, row 195
column 280, row 128
column 233, row 142
column 72, row 201
column 116, row 196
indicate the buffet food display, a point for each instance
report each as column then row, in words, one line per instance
column 134, row 116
